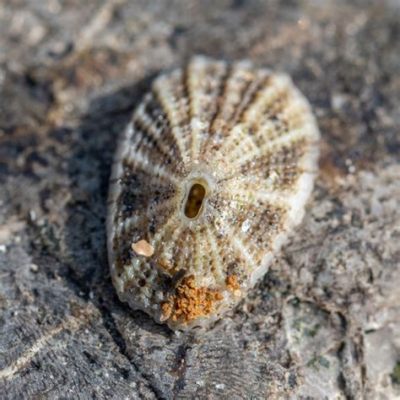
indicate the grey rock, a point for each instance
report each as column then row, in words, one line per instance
column 325, row 321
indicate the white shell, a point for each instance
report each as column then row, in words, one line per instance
column 210, row 178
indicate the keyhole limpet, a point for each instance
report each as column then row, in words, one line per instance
column 210, row 177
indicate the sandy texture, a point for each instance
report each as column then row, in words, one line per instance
column 325, row 321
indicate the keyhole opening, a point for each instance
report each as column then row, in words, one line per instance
column 195, row 200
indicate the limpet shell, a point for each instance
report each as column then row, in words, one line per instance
column 210, row 177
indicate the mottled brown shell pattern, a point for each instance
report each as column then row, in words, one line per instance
column 210, row 177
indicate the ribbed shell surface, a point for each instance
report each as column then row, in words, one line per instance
column 211, row 176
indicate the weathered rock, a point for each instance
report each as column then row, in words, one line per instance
column 325, row 322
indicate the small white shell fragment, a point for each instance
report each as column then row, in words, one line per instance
column 210, row 178
column 143, row 248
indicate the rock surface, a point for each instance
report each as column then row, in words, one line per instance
column 325, row 321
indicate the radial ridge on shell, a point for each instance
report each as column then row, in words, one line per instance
column 210, row 177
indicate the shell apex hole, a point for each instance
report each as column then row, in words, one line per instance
column 195, row 199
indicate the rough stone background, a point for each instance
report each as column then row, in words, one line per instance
column 325, row 321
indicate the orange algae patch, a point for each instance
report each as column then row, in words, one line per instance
column 190, row 302
column 166, row 309
column 166, row 265
column 233, row 285
column 232, row 282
